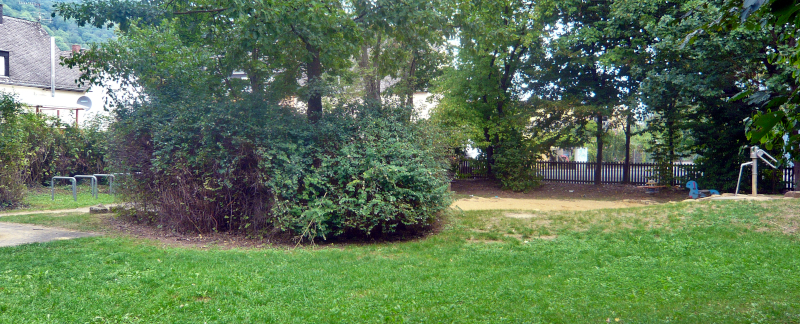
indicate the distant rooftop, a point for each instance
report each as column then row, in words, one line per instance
column 28, row 45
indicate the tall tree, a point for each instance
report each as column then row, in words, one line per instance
column 576, row 75
column 403, row 44
column 481, row 96
column 687, row 86
column 277, row 42
column 776, row 89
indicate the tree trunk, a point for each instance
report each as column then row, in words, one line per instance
column 796, row 170
column 314, row 72
column 369, row 64
column 375, row 73
column 253, row 74
column 626, row 171
column 412, row 70
column 598, row 168
column 489, row 153
column 671, row 157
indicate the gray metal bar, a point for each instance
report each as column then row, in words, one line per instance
column 111, row 178
column 94, row 183
column 74, row 187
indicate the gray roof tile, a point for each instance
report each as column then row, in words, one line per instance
column 28, row 45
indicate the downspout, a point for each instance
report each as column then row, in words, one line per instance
column 53, row 67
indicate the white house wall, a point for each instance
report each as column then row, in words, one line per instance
column 33, row 97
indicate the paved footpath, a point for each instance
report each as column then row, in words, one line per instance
column 12, row 234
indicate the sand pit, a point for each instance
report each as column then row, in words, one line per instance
column 478, row 203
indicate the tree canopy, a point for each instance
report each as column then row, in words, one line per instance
column 513, row 78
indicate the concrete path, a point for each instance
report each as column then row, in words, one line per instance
column 12, row 234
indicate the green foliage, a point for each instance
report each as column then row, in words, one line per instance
column 776, row 130
column 614, row 145
column 287, row 48
column 12, row 152
column 773, row 89
column 516, row 168
column 371, row 175
column 481, row 103
column 57, row 149
column 207, row 152
column 250, row 167
column 34, row 148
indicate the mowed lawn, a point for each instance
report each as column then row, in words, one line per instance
column 698, row 262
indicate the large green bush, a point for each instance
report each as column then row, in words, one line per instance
column 368, row 173
column 254, row 167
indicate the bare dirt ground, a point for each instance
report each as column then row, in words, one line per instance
column 167, row 238
column 486, row 194
column 479, row 203
column 567, row 191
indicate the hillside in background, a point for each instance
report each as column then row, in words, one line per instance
column 66, row 32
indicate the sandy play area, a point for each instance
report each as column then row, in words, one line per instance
column 478, row 203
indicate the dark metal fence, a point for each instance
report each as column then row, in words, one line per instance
column 470, row 169
column 610, row 172
column 583, row 172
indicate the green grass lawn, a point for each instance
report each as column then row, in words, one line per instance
column 702, row 262
column 40, row 199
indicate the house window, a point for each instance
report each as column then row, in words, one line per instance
column 3, row 63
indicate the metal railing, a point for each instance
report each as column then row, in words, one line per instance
column 94, row 182
column 111, row 178
column 74, row 187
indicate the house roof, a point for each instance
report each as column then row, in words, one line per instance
column 28, row 45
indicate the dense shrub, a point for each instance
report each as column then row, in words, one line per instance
column 515, row 168
column 254, row 167
column 12, row 152
column 34, row 148
column 371, row 174
column 57, row 149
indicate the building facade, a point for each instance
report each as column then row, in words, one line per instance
column 30, row 68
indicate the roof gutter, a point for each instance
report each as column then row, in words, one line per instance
column 40, row 86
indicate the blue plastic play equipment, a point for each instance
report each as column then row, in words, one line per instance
column 694, row 193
